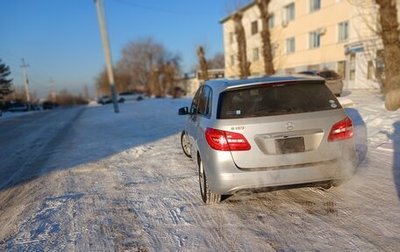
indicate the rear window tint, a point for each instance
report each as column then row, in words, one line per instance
column 281, row 99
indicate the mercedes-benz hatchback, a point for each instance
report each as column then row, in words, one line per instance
column 267, row 132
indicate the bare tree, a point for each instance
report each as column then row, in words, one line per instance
column 202, row 63
column 154, row 83
column 141, row 61
column 17, row 94
column 139, row 58
column 169, row 70
column 218, row 61
column 122, row 82
column 391, row 42
column 66, row 98
column 266, row 37
column 244, row 65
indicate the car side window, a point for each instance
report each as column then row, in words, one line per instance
column 209, row 101
column 204, row 107
column 195, row 101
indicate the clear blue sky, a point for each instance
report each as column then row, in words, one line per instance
column 61, row 39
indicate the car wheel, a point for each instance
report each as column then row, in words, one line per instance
column 185, row 144
column 326, row 186
column 337, row 183
column 207, row 196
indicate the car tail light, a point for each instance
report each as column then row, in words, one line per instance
column 226, row 141
column 341, row 130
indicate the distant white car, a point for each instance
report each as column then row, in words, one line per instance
column 131, row 96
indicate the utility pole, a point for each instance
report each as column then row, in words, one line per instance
column 53, row 92
column 26, row 80
column 107, row 51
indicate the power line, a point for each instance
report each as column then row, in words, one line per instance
column 153, row 8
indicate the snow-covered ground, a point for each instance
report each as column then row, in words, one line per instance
column 121, row 182
column 7, row 115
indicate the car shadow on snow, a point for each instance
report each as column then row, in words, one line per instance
column 360, row 135
column 395, row 141
column 84, row 135
column 396, row 156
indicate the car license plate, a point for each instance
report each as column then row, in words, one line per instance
column 290, row 145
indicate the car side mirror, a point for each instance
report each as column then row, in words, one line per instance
column 183, row 111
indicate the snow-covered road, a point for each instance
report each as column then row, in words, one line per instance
column 99, row 181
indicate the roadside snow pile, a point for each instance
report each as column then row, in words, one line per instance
column 7, row 115
column 345, row 102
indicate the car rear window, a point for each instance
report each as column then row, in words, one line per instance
column 275, row 99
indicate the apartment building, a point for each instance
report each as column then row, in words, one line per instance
column 313, row 35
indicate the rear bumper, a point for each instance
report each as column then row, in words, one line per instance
column 227, row 178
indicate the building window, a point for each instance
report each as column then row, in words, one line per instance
column 254, row 27
column 290, row 45
column 315, row 39
column 232, row 60
column 341, row 69
column 315, row 5
column 256, row 54
column 231, row 38
column 371, row 70
column 343, row 29
column 271, row 21
column 289, row 13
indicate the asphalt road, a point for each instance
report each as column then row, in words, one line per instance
column 27, row 141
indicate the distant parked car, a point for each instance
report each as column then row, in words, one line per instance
column 18, row 107
column 33, row 106
column 105, row 99
column 48, row 105
column 131, row 96
column 333, row 80
column 267, row 132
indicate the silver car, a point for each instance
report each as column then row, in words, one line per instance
column 267, row 132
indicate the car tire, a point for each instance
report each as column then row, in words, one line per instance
column 337, row 183
column 185, row 144
column 326, row 186
column 207, row 195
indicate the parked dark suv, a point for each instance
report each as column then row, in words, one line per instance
column 333, row 80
